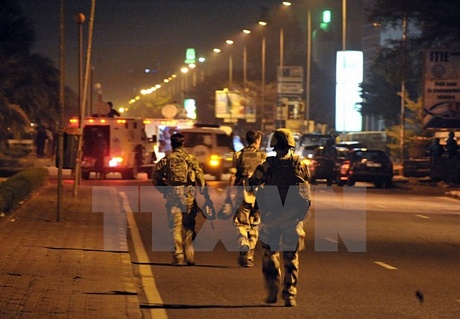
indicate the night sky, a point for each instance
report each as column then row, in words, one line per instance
column 132, row 35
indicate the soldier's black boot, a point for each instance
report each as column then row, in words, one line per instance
column 243, row 257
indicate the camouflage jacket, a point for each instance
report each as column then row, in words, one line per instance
column 246, row 161
column 196, row 172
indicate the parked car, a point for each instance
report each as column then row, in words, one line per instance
column 324, row 167
column 366, row 165
column 351, row 144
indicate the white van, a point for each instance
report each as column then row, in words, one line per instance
column 212, row 145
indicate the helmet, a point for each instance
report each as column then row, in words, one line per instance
column 282, row 137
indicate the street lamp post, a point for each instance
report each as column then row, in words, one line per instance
column 230, row 65
column 282, row 121
column 80, row 19
column 184, row 84
column 263, row 23
column 308, row 71
column 403, row 90
column 344, row 25
column 263, row 72
column 245, row 61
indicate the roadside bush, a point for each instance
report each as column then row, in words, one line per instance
column 17, row 151
column 20, row 186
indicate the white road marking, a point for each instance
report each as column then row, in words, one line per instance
column 422, row 216
column 384, row 265
column 331, row 240
column 148, row 282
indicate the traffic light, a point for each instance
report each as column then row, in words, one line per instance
column 326, row 20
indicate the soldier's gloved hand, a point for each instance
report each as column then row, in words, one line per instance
column 205, row 193
column 208, row 209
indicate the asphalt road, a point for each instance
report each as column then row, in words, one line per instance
column 371, row 253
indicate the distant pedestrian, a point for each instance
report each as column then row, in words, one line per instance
column 175, row 176
column 49, row 143
column 330, row 160
column 100, row 149
column 452, row 167
column 282, row 215
column 436, row 150
column 247, row 217
column 40, row 141
column 112, row 112
column 451, row 146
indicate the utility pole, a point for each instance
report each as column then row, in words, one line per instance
column 61, row 109
column 403, row 89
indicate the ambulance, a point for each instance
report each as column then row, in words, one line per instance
column 121, row 141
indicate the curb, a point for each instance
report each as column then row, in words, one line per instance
column 427, row 186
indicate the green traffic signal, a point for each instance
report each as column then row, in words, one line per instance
column 326, row 19
column 327, row 16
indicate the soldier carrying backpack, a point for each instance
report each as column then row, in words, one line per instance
column 176, row 176
column 247, row 217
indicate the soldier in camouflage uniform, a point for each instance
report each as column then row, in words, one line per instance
column 247, row 217
column 176, row 176
column 282, row 228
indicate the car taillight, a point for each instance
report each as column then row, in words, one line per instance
column 345, row 167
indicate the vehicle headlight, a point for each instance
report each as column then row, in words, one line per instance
column 306, row 161
column 214, row 160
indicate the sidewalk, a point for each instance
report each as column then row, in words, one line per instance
column 424, row 184
column 52, row 269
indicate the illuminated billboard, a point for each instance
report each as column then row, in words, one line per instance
column 349, row 75
column 442, row 89
column 232, row 105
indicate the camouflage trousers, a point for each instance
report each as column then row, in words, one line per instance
column 271, row 264
column 183, row 234
column 271, row 269
column 247, row 222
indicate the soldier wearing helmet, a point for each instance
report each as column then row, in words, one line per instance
column 282, row 215
column 247, row 217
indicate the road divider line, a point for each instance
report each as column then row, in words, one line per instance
column 384, row 265
column 422, row 216
column 331, row 240
column 148, row 282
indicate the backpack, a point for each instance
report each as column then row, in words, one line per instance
column 248, row 162
column 177, row 169
column 285, row 173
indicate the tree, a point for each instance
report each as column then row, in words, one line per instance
column 16, row 33
column 28, row 82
